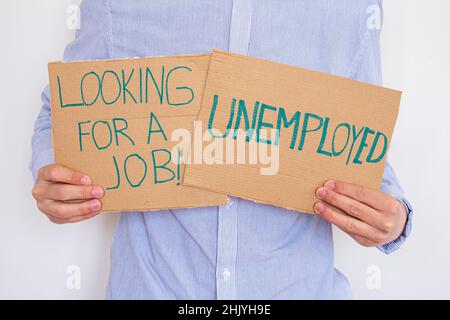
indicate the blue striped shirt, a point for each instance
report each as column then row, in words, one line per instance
column 242, row 250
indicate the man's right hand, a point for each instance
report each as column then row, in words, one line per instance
column 65, row 195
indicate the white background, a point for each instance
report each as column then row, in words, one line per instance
column 35, row 254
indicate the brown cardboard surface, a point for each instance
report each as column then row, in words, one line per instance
column 369, row 110
column 163, row 91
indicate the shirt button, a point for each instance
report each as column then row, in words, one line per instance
column 229, row 204
column 226, row 274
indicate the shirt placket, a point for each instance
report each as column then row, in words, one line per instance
column 227, row 241
column 226, row 251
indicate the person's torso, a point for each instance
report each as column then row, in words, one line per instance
column 243, row 250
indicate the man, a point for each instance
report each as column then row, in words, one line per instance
column 243, row 250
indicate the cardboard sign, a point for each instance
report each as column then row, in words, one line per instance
column 113, row 120
column 322, row 127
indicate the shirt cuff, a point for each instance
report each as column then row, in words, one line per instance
column 395, row 244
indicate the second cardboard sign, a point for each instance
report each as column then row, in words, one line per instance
column 274, row 133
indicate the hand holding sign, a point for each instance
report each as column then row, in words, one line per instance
column 372, row 218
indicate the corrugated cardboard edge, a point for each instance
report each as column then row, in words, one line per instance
column 309, row 211
column 174, row 208
column 195, row 55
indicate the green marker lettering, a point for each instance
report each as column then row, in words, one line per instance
column 150, row 128
column 125, row 169
column 162, row 166
column 305, row 128
column 178, row 88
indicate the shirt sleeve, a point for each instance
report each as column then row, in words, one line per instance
column 391, row 186
column 367, row 68
column 92, row 42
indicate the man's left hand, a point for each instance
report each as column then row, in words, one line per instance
column 372, row 218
